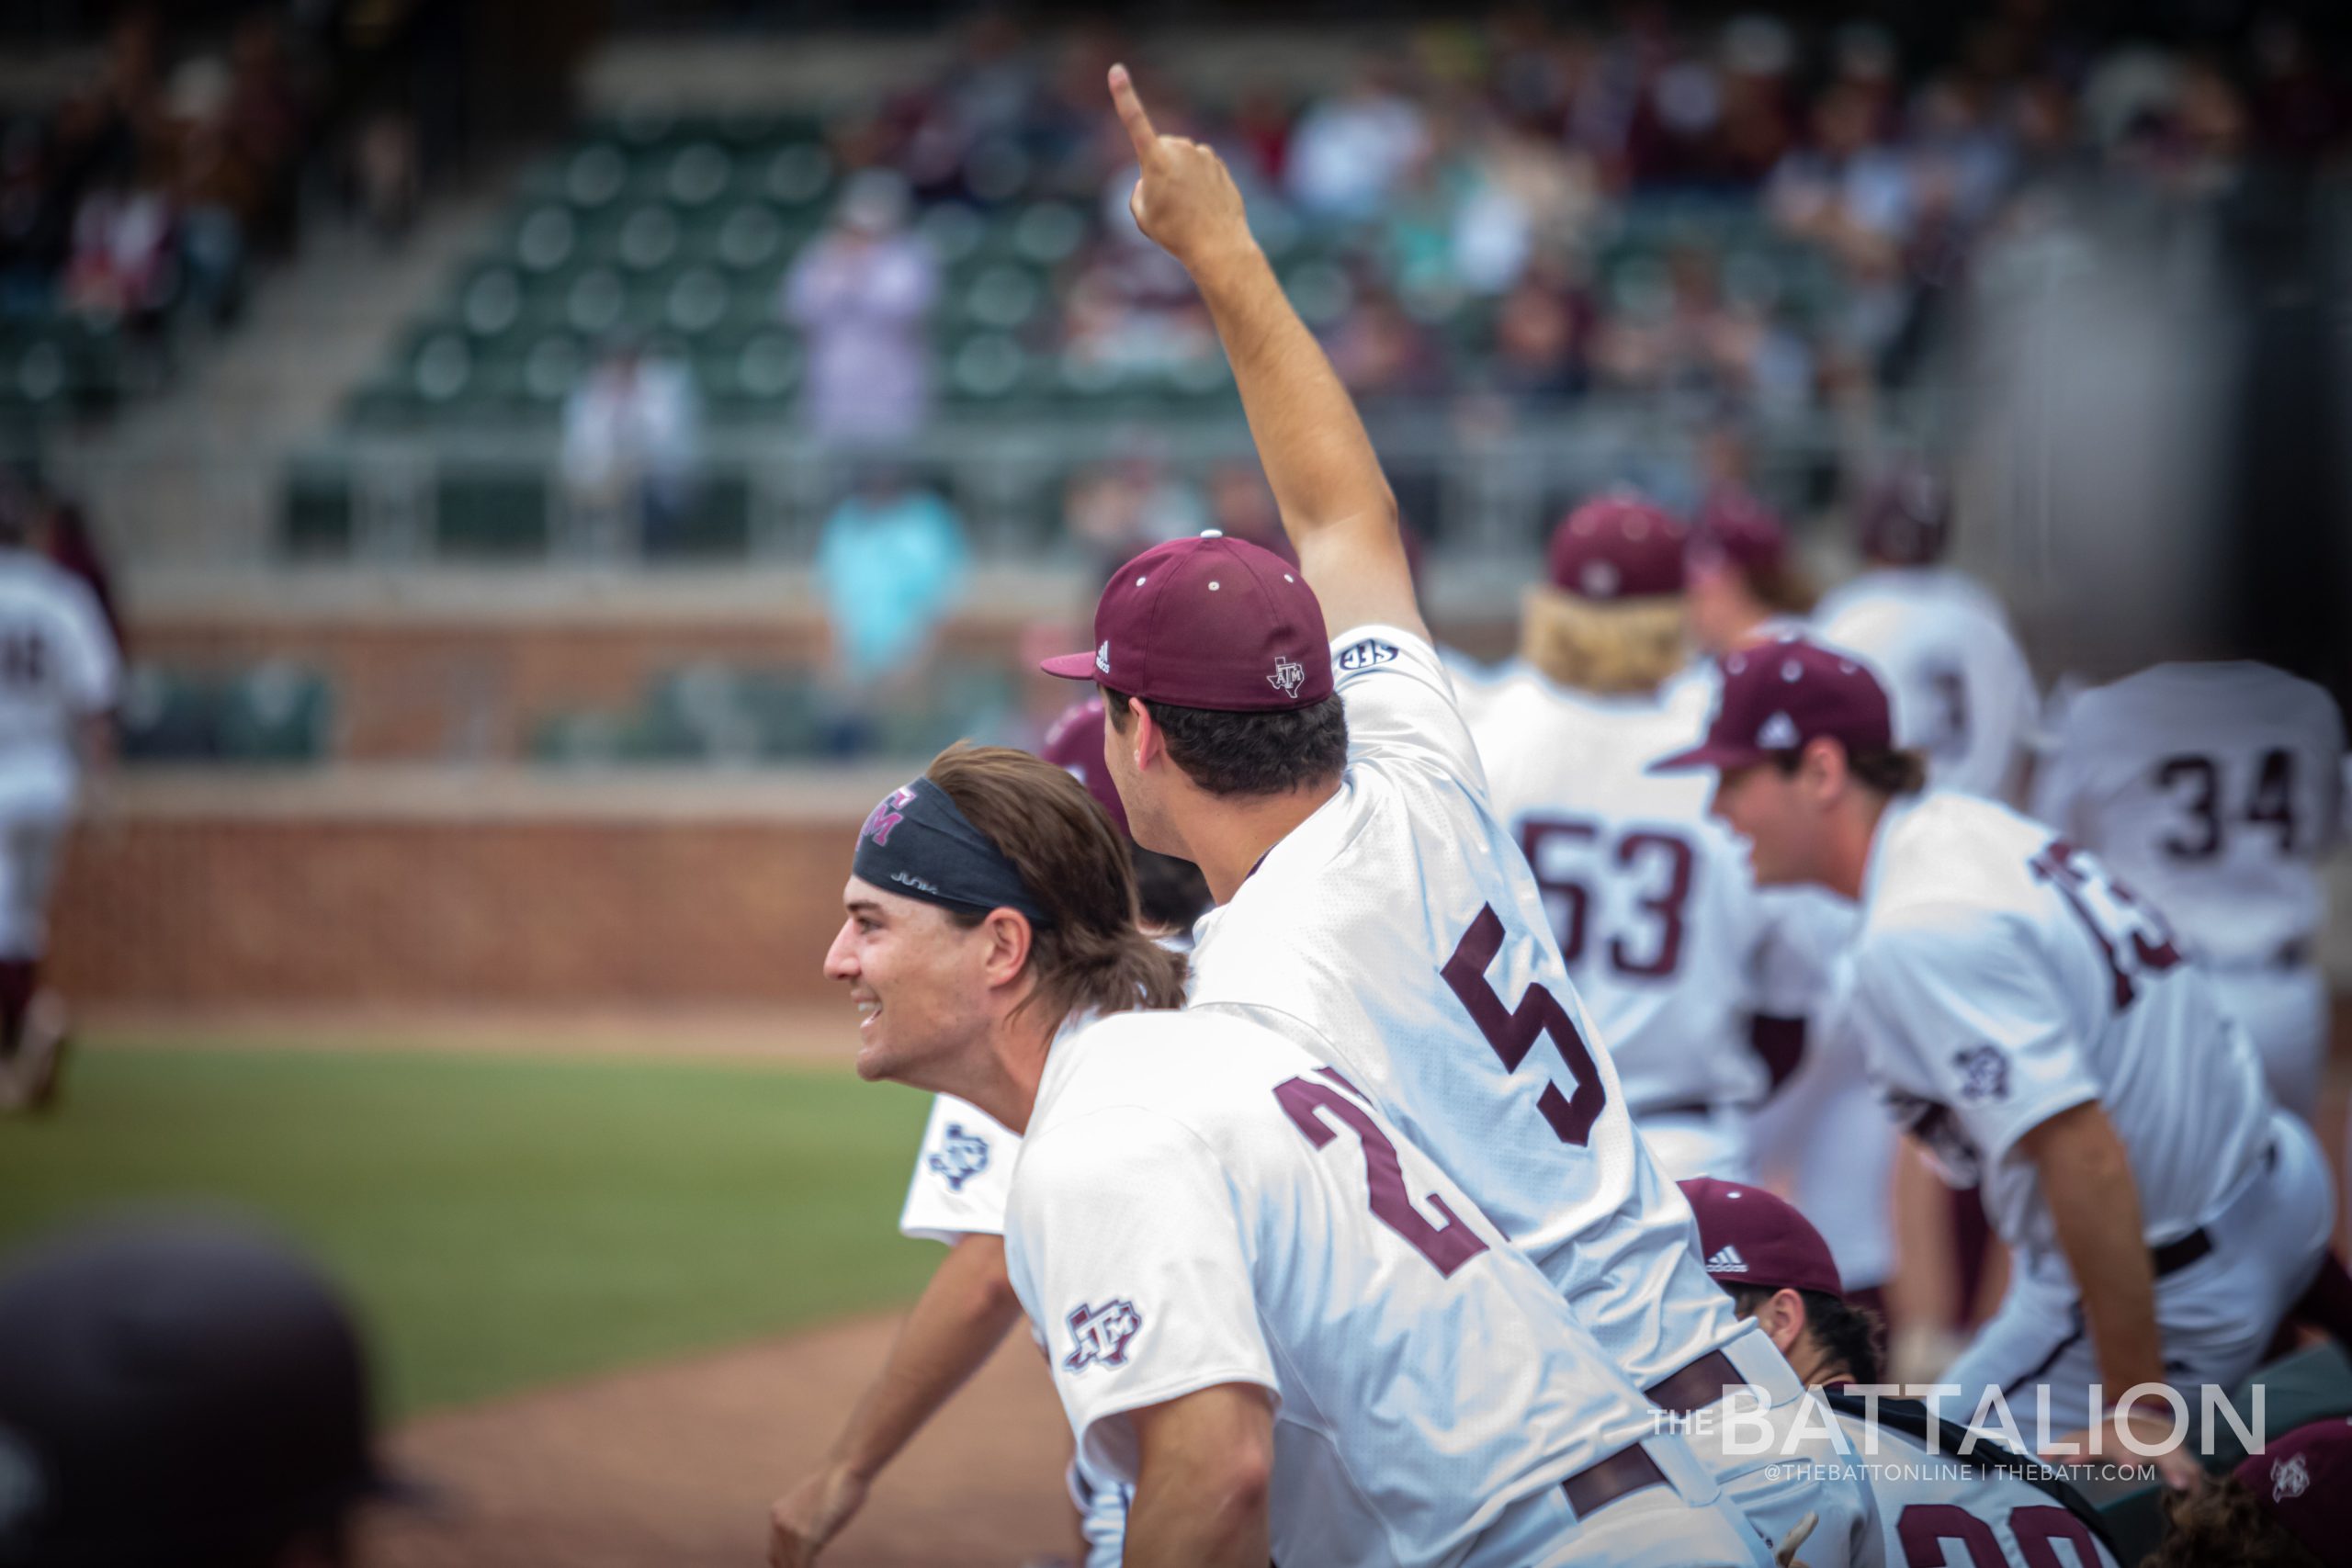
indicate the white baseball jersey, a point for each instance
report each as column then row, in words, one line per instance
column 58, row 664
column 1398, row 934
column 1650, row 900
column 1200, row 1203
column 1960, row 690
column 2002, row 976
column 2213, row 790
column 1934, row 1506
column 962, row 1174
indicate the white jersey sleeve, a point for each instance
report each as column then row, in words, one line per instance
column 963, row 1173
column 1961, row 1015
column 1155, row 1301
column 1401, row 705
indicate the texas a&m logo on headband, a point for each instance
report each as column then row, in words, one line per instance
column 1101, row 1333
column 888, row 815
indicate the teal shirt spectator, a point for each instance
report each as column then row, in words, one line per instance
column 892, row 563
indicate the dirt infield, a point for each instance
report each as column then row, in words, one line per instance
column 677, row 1465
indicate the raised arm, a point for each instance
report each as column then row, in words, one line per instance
column 1336, row 505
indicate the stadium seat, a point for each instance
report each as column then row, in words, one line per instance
column 491, row 511
column 276, row 713
column 168, row 716
column 316, row 522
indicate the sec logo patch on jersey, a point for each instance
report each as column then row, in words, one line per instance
column 1100, row 1335
column 961, row 1157
column 1365, row 655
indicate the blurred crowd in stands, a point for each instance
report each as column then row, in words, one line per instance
column 1814, row 198
column 151, row 187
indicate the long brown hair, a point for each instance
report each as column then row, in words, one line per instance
column 1094, row 957
column 1612, row 650
column 2222, row 1524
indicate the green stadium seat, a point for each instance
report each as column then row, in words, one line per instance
column 545, row 238
column 647, row 239
column 491, row 303
column 491, row 511
column 276, row 713
column 698, row 173
column 696, row 301
column 1048, row 233
column 1002, row 299
column 596, row 175
column 168, row 716
column 317, row 521
column 798, row 176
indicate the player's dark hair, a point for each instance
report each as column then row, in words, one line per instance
column 1093, row 957
column 1849, row 1335
column 1890, row 773
column 1172, row 892
column 1247, row 753
column 2222, row 1524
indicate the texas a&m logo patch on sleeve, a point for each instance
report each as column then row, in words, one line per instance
column 961, row 1155
column 1101, row 1334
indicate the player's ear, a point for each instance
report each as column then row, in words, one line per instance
column 1821, row 768
column 1781, row 1317
column 1148, row 741
column 1009, row 942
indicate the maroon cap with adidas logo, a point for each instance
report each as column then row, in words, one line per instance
column 1749, row 1236
column 1782, row 695
column 1207, row 623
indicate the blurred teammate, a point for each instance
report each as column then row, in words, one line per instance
column 2032, row 1023
column 1994, row 1507
column 2288, row 1507
column 1745, row 584
column 1374, row 911
column 58, row 680
column 2216, row 790
column 1256, row 1294
column 1659, row 921
column 179, row 1392
column 956, row 1197
column 1962, row 691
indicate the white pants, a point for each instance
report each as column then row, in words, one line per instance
column 2286, row 1013
column 32, row 830
column 1102, row 1516
column 2215, row 1316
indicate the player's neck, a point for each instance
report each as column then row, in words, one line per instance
column 1230, row 839
column 1004, row 1078
column 1854, row 830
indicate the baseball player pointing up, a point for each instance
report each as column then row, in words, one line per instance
column 2034, row 1026
column 1293, row 734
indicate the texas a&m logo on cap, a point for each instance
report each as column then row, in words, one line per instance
column 962, row 1155
column 1287, row 676
column 1101, row 1333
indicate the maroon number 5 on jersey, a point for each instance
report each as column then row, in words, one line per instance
column 1512, row 1033
column 2132, row 936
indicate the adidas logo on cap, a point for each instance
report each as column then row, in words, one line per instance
column 1779, row 733
column 1103, row 657
column 1727, row 1260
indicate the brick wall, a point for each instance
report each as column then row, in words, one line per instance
column 565, row 902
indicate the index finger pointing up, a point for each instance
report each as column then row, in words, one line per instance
column 1132, row 116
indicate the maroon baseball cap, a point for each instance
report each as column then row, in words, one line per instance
column 1751, row 1238
column 1617, row 546
column 2304, row 1480
column 1207, row 623
column 1905, row 518
column 1782, row 695
column 1737, row 526
column 1074, row 744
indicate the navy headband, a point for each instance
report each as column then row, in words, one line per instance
column 916, row 842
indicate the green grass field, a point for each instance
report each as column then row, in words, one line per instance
column 505, row 1222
